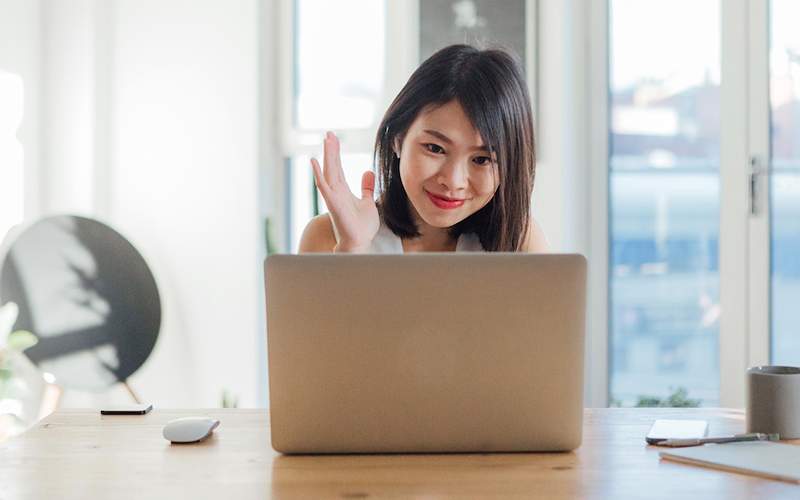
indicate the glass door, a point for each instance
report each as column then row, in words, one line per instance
column 703, row 197
column 784, row 182
column 664, row 202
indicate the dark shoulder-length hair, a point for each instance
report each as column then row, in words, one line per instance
column 490, row 86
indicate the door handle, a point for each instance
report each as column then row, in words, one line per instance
column 757, row 169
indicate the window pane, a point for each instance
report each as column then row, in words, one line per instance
column 339, row 66
column 11, row 159
column 445, row 22
column 785, row 180
column 664, row 202
column 303, row 190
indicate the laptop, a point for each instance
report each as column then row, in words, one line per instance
column 425, row 352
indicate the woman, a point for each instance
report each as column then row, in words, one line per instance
column 455, row 153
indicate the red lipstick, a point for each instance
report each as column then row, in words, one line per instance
column 443, row 202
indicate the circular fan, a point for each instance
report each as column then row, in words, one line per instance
column 88, row 296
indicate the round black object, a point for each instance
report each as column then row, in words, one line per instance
column 89, row 297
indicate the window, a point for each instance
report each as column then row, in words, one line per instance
column 664, row 93
column 337, row 84
column 784, row 62
column 343, row 79
column 445, row 22
column 338, row 72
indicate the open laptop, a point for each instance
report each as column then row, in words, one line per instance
column 426, row 352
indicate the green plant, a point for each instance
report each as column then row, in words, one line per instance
column 16, row 341
column 10, row 342
column 677, row 399
column 15, row 374
column 269, row 240
column 229, row 400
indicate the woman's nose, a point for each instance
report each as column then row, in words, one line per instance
column 453, row 175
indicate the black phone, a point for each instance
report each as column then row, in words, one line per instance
column 127, row 410
column 676, row 429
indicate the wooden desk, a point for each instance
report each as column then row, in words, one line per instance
column 79, row 454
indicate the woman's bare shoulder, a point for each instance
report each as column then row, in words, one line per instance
column 318, row 235
column 535, row 239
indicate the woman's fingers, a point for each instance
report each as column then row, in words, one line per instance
column 319, row 179
column 367, row 185
column 332, row 159
column 327, row 172
column 330, row 179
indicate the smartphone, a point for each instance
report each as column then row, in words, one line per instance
column 676, row 429
column 128, row 410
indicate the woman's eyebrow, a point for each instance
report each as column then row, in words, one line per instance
column 446, row 139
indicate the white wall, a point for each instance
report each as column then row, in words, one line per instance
column 68, row 104
column 270, row 164
column 20, row 48
column 184, row 186
column 153, row 127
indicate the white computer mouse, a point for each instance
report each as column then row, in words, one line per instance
column 189, row 429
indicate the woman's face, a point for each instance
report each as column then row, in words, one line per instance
column 443, row 158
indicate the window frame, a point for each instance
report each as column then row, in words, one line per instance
column 294, row 141
column 402, row 33
column 744, row 269
column 598, row 315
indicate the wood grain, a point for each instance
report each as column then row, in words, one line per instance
column 81, row 454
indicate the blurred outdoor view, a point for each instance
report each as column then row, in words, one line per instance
column 664, row 200
column 784, row 59
column 664, row 190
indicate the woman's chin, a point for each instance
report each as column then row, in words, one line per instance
column 442, row 220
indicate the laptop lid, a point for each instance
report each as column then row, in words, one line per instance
column 437, row 352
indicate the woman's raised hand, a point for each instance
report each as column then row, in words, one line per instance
column 355, row 220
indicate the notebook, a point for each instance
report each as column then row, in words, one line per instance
column 759, row 458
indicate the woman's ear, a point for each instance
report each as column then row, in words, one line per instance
column 396, row 146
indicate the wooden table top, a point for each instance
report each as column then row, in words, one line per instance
column 81, row 454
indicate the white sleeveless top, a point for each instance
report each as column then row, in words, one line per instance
column 385, row 241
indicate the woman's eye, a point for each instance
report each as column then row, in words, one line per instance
column 434, row 148
column 482, row 160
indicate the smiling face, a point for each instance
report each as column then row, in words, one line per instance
column 446, row 169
